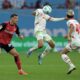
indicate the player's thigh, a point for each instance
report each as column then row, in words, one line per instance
column 49, row 40
column 40, row 43
column 51, row 43
column 40, row 39
column 13, row 52
column 73, row 44
column 47, row 37
column 10, row 49
column 39, row 35
column 76, row 43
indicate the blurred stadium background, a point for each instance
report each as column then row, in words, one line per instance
column 24, row 9
column 53, row 68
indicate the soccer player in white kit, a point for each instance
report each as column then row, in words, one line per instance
column 41, row 16
column 73, row 37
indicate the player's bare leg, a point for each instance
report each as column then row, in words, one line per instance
column 46, row 51
column 67, row 60
column 51, row 45
column 40, row 45
column 15, row 54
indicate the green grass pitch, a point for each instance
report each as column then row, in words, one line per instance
column 53, row 68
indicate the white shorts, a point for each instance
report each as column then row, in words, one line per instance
column 42, row 35
column 73, row 44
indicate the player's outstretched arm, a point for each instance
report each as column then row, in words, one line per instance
column 18, row 33
column 56, row 19
column 21, row 36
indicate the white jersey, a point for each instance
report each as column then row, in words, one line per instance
column 40, row 20
column 76, row 32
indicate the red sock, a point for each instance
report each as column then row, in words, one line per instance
column 18, row 62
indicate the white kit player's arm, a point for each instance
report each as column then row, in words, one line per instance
column 56, row 19
column 47, row 17
column 71, row 28
column 34, row 13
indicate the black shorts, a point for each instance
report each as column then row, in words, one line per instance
column 7, row 47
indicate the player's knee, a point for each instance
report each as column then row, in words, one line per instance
column 63, row 52
column 53, row 45
column 40, row 46
column 16, row 54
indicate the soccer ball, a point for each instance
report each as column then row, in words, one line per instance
column 47, row 9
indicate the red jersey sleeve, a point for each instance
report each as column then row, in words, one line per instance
column 17, row 30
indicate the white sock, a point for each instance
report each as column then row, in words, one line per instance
column 45, row 52
column 34, row 48
column 67, row 60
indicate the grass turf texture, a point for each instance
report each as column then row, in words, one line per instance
column 53, row 68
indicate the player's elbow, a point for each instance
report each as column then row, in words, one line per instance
column 33, row 14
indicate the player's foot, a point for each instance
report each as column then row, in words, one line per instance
column 21, row 72
column 39, row 59
column 29, row 53
column 71, row 69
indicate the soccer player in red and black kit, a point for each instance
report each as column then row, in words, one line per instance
column 7, row 30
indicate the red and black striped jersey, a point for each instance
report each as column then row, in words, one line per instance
column 6, row 32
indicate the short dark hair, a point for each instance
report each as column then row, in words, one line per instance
column 47, row 3
column 70, row 16
column 12, row 15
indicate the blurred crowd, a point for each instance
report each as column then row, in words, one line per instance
column 19, row 4
column 23, row 4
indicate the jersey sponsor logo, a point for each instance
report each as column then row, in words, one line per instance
column 9, row 32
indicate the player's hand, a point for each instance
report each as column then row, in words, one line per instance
column 21, row 37
column 66, row 18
